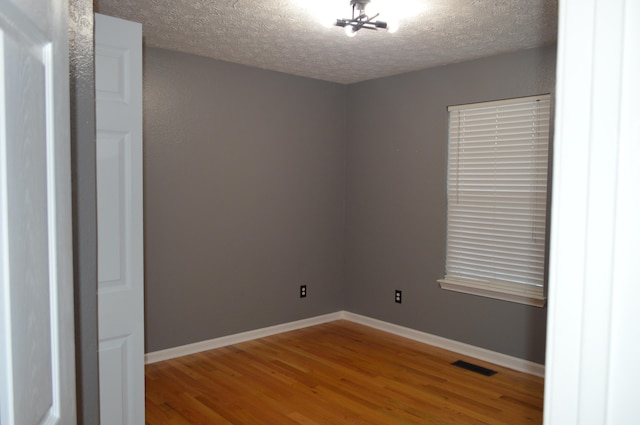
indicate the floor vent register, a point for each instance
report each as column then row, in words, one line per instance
column 474, row 368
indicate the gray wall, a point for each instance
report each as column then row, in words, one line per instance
column 396, row 201
column 244, row 174
column 257, row 182
column 85, row 238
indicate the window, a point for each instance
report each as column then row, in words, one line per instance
column 497, row 199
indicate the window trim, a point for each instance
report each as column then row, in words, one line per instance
column 489, row 291
column 512, row 292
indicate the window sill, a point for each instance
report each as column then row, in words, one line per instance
column 504, row 293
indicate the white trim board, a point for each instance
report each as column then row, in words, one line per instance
column 483, row 354
column 499, row 359
column 197, row 347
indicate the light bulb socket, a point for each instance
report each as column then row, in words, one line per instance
column 393, row 26
column 351, row 31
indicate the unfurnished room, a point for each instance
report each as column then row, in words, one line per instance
column 319, row 212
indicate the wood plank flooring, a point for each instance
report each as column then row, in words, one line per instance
column 339, row 373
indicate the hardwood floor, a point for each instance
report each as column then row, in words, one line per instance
column 339, row 373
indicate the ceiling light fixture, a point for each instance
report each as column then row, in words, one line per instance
column 360, row 19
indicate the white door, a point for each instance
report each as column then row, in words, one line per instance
column 120, row 247
column 37, row 379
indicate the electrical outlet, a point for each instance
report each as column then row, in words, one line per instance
column 398, row 296
column 303, row 291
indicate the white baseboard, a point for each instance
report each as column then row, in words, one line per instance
column 458, row 347
column 197, row 347
column 437, row 341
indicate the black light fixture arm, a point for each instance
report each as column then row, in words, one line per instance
column 362, row 20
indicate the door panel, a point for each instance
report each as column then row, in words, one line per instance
column 113, row 153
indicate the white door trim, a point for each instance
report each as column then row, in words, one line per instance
column 593, row 324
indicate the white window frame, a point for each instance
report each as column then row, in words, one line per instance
column 497, row 199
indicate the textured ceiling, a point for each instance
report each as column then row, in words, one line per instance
column 287, row 36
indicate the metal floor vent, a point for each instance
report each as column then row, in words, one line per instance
column 474, row 368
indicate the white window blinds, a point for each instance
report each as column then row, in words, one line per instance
column 497, row 199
